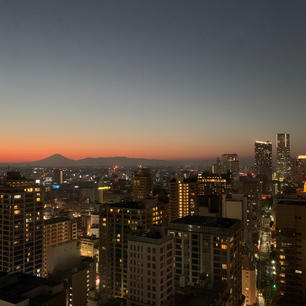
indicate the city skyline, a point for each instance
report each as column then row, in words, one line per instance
column 153, row 153
column 167, row 80
column 59, row 155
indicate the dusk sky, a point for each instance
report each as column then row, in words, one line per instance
column 150, row 78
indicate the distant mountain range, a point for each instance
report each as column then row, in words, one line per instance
column 58, row 160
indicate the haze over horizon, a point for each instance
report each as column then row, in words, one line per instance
column 160, row 79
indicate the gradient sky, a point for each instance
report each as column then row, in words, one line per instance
column 150, row 78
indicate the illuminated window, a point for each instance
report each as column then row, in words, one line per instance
column 223, row 246
column 224, row 266
column 17, row 196
column 282, row 256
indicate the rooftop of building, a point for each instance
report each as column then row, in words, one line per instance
column 142, row 172
column 127, row 204
column 299, row 201
column 77, row 265
column 154, row 236
column 56, row 220
column 217, row 295
column 222, row 223
column 15, row 286
column 15, row 180
column 204, row 200
column 191, row 179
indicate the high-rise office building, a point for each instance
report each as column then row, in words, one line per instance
column 263, row 163
column 208, row 250
column 283, row 159
column 55, row 232
column 117, row 221
column 291, row 250
column 142, row 184
column 21, row 230
column 230, row 163
column 150, row 269
column 230, row 166
column 183, row 197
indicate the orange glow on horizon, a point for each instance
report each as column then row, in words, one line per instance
column 27, row 150
column 20, row 156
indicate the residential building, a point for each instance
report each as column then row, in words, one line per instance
column 142, row 184
column 21, row 228
column 150, row 269
column 57, row 231
column 117, row 221
column 291, row 250
column 183, row 197
column 248, row 281
column 209, row 185
column 207, row 250
column 78, row 273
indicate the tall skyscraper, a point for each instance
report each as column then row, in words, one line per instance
column 142, row 184
column 291, row 251
column 117, row 221
column 208, row 250
column 283, row 159
column 21, row 229
column 263, row 163
column 150, row 269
